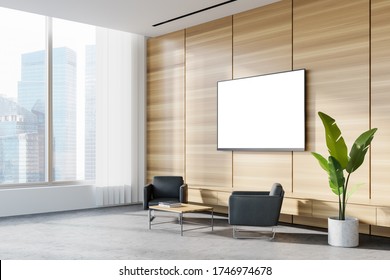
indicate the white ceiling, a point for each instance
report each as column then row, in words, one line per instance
column 135, row 16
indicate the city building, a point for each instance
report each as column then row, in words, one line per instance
column 19, row 144
column 32, row 95
column 90, row 113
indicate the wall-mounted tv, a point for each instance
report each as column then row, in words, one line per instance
column 265, row 113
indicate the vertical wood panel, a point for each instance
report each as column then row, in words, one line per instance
column 262, row 44
column 262, row 40
column 380, row 100
column 383, row 214
column 165, row 102
column 208, row 60
column 297, row 207
column 331, row 40
column 325, row 209
column 381, row 231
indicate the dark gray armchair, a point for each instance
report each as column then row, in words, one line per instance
column 257, row 209
column 165, row 188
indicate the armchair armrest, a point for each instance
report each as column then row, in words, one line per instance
column 183, row 195
column 148, row 191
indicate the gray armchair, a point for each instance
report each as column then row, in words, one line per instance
column 258, row 209
column 165, row 188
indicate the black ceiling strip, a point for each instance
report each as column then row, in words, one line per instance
column 196, row 12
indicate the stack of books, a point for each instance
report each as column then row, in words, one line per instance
column 169, row 204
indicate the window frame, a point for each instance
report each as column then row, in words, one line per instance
column 49, row 114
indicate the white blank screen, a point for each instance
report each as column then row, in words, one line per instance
column 263, row 112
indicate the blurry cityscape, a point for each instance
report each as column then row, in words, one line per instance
column 23, row 133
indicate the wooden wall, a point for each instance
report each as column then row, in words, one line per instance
column 262, row 44
column 166, row 105
column 380, row 113
column 345, row 47
column 208, row 60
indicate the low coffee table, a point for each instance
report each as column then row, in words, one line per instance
column 184, row 208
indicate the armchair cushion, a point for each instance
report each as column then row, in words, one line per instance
column 165, row 188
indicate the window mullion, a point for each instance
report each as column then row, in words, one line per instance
column 49, row 108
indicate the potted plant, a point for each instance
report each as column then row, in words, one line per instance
column 342, row 230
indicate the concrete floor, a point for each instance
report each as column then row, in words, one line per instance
column 121, row 233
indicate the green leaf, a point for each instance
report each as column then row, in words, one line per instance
column 353, row 189
column 336, row 189
column 334, row 141
column 359, row 150
column 336, row 176
column 322, row 161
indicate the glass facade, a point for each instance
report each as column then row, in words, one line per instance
column 24, row 92
column 64, row 114
column 32, row 90
column 90, row 112
column 22, row 97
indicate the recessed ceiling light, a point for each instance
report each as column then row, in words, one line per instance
column 192, row 13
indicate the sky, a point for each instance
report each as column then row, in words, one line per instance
column 20, row 33
column 23, row 32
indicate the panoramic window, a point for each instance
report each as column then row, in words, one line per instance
column 26, row 126
column 73, row 60
column 23, row 87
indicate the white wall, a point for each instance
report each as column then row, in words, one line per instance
column 32, row 200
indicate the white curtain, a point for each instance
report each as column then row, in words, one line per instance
column 120, row 62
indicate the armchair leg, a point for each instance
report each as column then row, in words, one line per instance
column 273, row 233
column 150, row 217
column 236, row 230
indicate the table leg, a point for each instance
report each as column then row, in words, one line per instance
column 150, row 218
column 212, row 220
column 181, row 223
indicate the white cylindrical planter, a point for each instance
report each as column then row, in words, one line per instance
column 343, row 233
